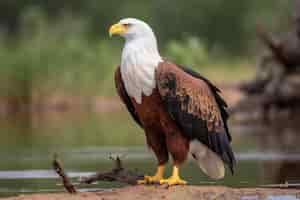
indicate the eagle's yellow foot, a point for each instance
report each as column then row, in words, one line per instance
column 154, row 179
column 150, row 179
column 174, row 179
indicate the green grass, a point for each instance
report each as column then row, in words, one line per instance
column 52, row 58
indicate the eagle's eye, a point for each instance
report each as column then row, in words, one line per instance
column 127, row 25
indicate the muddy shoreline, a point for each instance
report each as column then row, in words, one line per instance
column 172, row 193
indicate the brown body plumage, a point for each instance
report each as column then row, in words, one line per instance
column 164, row 135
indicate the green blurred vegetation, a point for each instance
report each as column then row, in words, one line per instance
column 221, row 24
column 56, row 46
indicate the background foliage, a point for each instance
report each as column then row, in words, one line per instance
column 62, row 45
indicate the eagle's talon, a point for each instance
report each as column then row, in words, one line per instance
column 154, row 179
column 141, row 182
column 150, row 179
column 173, row 181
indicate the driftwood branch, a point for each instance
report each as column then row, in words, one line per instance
column 265, row 105
column 118, row 174
column 272, row 44
column 58, row 167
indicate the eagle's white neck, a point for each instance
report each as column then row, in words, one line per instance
column 140, row 57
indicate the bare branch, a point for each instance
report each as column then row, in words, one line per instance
column 58, row 167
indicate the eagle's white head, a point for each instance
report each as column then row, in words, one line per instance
column 140, row 56
column 131, row 28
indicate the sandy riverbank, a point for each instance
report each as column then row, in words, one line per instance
column 172, row 193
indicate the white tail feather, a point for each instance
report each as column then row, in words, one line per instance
column 210, row 163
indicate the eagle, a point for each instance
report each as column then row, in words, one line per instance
column 180, row 111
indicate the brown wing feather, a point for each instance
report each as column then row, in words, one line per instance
column 201, row 99
column 222, row 105
column 193, row 105
column 124, row 96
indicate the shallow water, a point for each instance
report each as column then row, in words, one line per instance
column 271, row 197
column 84, row 142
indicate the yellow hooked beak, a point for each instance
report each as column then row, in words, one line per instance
column 117, row 29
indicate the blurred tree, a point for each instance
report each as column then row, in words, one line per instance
column 221, row 24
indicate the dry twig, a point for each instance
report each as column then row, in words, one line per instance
column 118, row 174
column 58, row 167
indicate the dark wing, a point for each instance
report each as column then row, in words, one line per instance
column 220, row 101
column 196, row 107
column 124, row 96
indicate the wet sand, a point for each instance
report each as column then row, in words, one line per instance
column 172, row 193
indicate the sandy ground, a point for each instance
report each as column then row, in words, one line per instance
column 173, row 193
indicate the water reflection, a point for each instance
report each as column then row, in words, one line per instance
column 270, row 197
column 282, row 137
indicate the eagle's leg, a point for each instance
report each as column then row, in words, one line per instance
column 159, row 175
column 178, row 146
column 174, row 179
column 156, row 141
